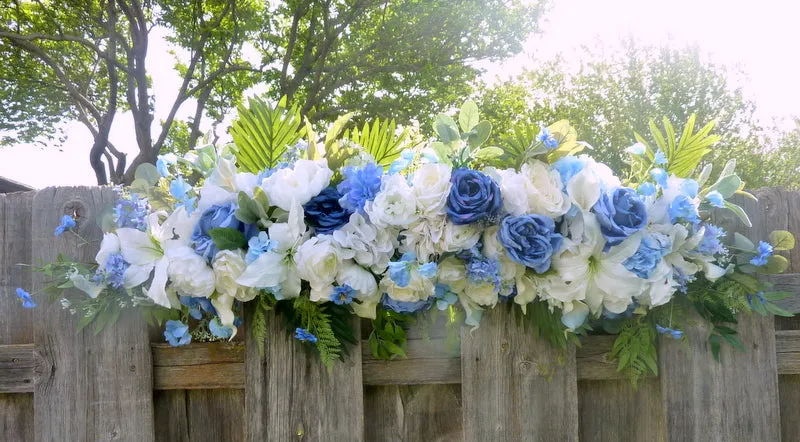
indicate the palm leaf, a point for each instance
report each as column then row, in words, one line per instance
column 262, row 133
column 380, row 139
column 685, row 153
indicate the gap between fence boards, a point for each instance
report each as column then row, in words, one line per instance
column 430, row 361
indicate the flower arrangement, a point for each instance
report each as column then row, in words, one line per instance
column 386, row 225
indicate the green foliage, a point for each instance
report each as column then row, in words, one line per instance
column 381, row 140
column 226, row 238
column 263, row 132
column 545, row 323
column 635, row 349
column 781, row 240
column 262, row 304
column 684, row 154
column 254, row 210
column 388, row 337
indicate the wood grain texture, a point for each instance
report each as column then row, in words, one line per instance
column 88, row 387
column 616, row 411
column 16, row 323
column 415, row 412
column 516, row 386
column 216, row 415
column 17, row 365
column 290, row 395
column 198, row 366
column 171, row 419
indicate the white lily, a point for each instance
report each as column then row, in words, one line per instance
column 224, row 184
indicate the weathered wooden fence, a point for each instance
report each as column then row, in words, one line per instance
column 501, row 384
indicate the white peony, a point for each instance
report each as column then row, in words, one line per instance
column 534, row 189
column 457, row 237
column 431, row 184
column 224, row 184
column 228, row 266
column 318, row 261
column 368, row 245
column 394, row 205
column 302, row 182
column 189, row 273
column 424, row 237
column 359, row 279
column 418, row 288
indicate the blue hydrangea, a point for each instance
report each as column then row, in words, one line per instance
column 660, row 158
column 359, row 186
column 715, row 199
column 682, row 208
column 406, row 307
column 546, row 137
column 26, row 298
column 711, row 243
column 114, row 271
column 131, row 212
column 481, row 269
column 67, row 223
column 304, row 335
column 568, row 167
column 444, row 296
column 218, row 330
column 674, row 334
column 177, row 333
column 325, row 213
column 763, row 252
column 257, row 246
column 342, row 294
column 652, row 248
column 198, row 305
column 646, row 189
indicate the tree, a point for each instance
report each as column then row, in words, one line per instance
column 86, row 60
column 611, row 96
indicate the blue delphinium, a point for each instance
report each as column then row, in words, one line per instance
column 711, row 243
column 546, row 137
column 177, row 333
column 674, row 334
column 764, row 251
column 621, row 213
column 131, row 212
column 682, row 208
column 180, row 189
column 406, row 307
column 198, row 305
column 652, row 248
column 636, row 149
column 473, row 197
column 258, row 245
column 689, row 187
column 568, row 167
column 217, row 216
column 660, row 158
column 114, row 271
column 427, row 270
column 402, row 162
column 530, row 240
column 342, row 294
column 660, row 177
column 292, row 154
column 759, row 296
column 715, row 199
column 444, row 296
column 359, row 186
column 325, row 213
column 400, row 271
column 67, row 223
column 646, row 189
column 218, row 330
column 304, row 335
column 26, row 298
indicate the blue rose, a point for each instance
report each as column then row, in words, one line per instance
column 621, row 213
column 652, row 248
column 325, row 213
column 406, row 307
column 473, row 197
column 530, row 240
column 217, row 216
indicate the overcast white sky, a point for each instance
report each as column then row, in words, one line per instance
column 762, row 37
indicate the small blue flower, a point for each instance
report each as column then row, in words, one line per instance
column 197, row 306
column 711, row 244
column 406, row 307
column 131, row 212
column 114, row 271
column 568, row 167
column 402, row 163
column 547, row 138
column 689, row 188
column 163, row 162
column 660, row 177
column 257, row 246
column 636, row 149
column 674, row 334
column 25, row 297
column 652, row 248
column 660, row 158
column 621, row 213
column 715, row 199
column 481, row 269
column 304, row 335
column 177, row 333
column 682, row 208
column 530, row 240
column 325, row 213
column 293, row 153
column 444, row 297
column 67, row 223
column 473, row 197
column 180, row 189
column 759, row 296
column 427, row 270
column 400, row 271
column 342, row 294
column 764, row 251
column 218, row 330
column 646, row 189
column 359, row 186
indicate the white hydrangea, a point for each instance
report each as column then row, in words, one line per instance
column 395, row 204
column 368, row 245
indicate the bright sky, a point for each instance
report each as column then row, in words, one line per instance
column 759, row 36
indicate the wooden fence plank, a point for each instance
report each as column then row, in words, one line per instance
column 616, row 411
column 514, row 386
column 216, row 415
column 397, row 413
column 16, row 323
column 289, row 394
column 89, row 387
column 171, row 418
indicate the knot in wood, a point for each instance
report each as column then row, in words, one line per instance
column 525, row 365
column 75, row 209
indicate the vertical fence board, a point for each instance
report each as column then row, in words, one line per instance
column 215, row 415
column 738, row 398
column 514, row 386
column 171, row 418
column 615, row 411
column 396, row 413
column 88, row 387
column 16, row 323
column 289, row 394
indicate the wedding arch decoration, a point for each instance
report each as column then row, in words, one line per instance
column 384, row 224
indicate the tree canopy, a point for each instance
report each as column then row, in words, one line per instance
column 87, row 61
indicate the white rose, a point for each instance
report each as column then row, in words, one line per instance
column 431, row 185
column 189, row 273
column 368, row 245
column 318, row 261
column 452, row 272
column 228, row 265
column 418, row 288
column 394, row 205
column 492, row 248
column 302, row 182
column 513, row 188
column 424, row 237
column 544, row 190
column 359, row 279
column 459, row 237
column 482, row 294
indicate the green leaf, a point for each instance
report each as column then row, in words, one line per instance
column 488, row 153
column 781, row 240
column 262, row 133
column 704, row 175
column 777, row 296
column 468, row 116
column 742, row 242
column 480, row 134
column 739, row 212
column 227, row 239
column 381, row 140
column 147, row 173
column 446, row 128
column 567, row 138
column 775, row 264
column 778, row 311
column 443, row 152
column 727, row 185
